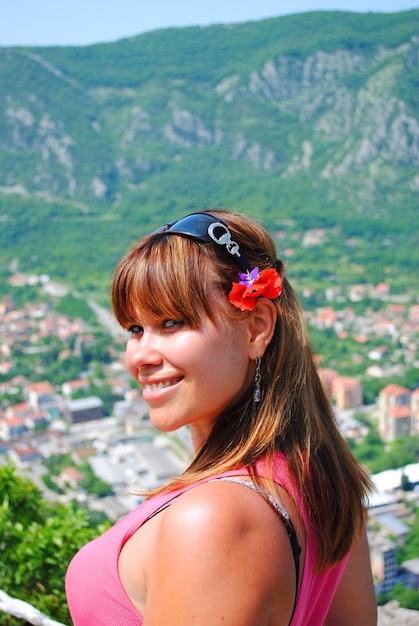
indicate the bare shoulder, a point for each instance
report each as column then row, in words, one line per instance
column 356, row 582
column 232, row 553
column 223, row 516
column 226, row 508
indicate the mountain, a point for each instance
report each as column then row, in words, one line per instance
column 308, row 121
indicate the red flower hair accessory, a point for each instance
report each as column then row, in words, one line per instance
column 253, row 285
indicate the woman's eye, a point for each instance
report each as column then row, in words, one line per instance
column 135, row 330
column 169, row 324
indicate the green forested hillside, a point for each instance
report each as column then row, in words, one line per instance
column 307, row 121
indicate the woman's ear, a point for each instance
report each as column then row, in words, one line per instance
column 261, row 327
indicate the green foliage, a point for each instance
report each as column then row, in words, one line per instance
column 378, row 457
column 37, row 541
column 94, row 485
column 76, row 308
column 86, row 142
column 213, row 52
column 20, row 498
column 410, row 549
column 90, row 483
column 407, row 598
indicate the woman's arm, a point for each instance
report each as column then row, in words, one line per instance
column 222, row 557
column 354, row 602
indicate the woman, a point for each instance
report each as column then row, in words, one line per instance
column 266, row 527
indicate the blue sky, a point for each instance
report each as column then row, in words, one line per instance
column 82, row 22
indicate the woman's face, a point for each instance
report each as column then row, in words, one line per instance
column 188, row 376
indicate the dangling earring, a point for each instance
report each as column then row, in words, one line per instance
column 257, row 395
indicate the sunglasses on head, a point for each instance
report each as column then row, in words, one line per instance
column 206, row 228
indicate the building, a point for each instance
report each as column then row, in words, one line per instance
column 395, row 412
column 84, row 410
column 399, row 422
column 21, row 410
column 328, row 376
column 347, row 392
column 411, row 573
column 69, row 477
column 12, row 428
column 75, row 386
column 383, row 564
column 24, row 453
column 37, row 421
column 378, row 353
column 40, row 395
column 414, row 405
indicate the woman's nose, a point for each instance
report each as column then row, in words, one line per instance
column 144, row 352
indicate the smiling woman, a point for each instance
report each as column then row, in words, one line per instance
column 266, row 527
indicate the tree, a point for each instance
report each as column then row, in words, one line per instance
column 407, row 598
column 37, row 542
column 410, row 549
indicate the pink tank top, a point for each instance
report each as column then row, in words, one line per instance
column 96, row 596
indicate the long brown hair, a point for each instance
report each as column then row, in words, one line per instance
column 172, row 276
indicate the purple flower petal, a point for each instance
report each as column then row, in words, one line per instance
column 249, row 277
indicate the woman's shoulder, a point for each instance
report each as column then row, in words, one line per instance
column 221, row 504
column 224, row 506
column 222, row 537
column 219, row 517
